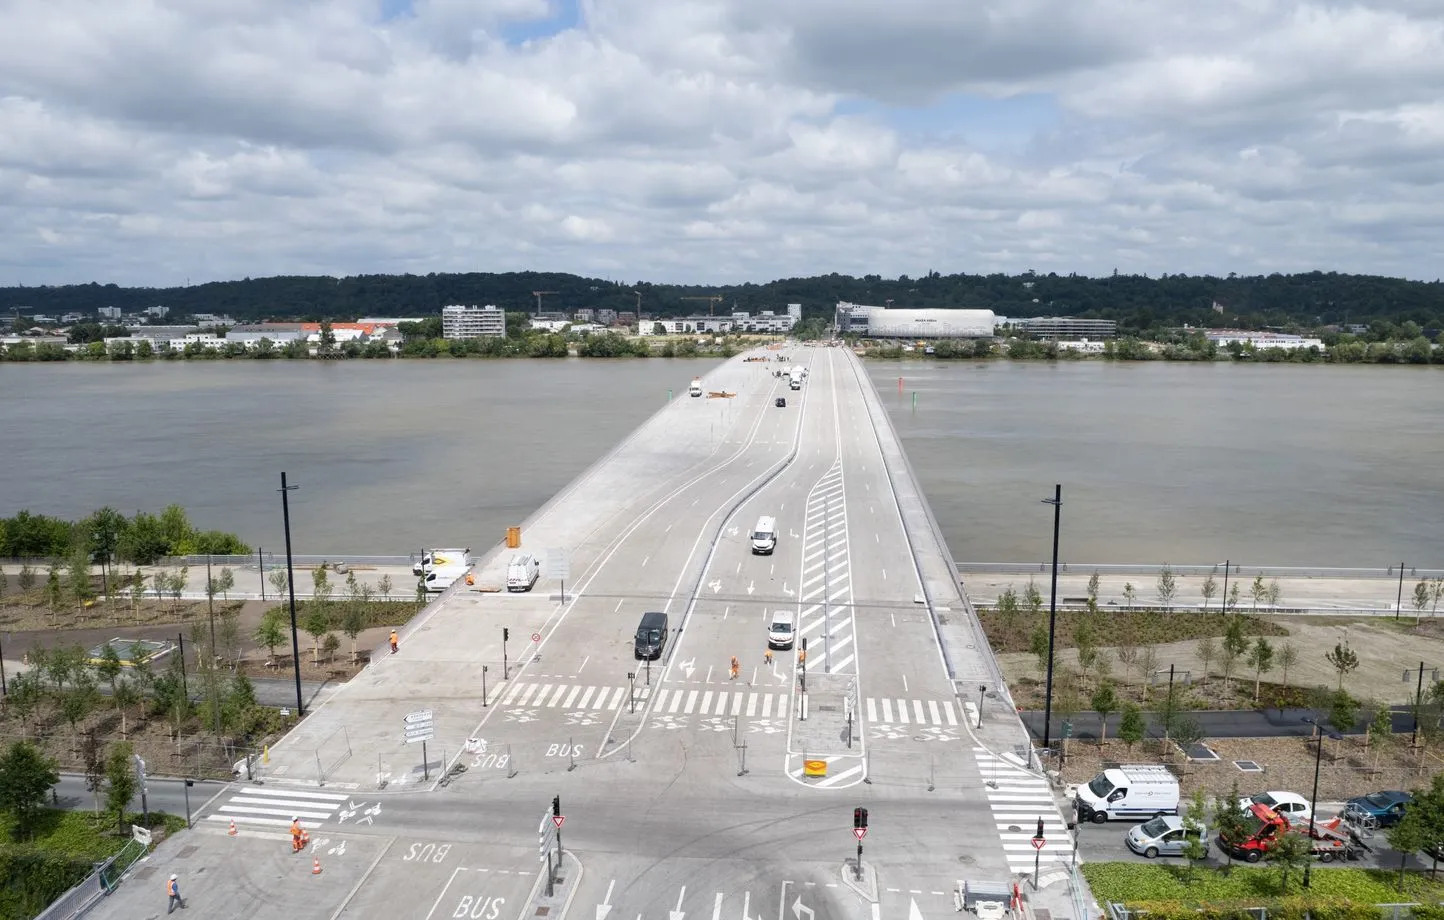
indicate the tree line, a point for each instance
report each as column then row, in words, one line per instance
column 1139, row 303
column 106, row 536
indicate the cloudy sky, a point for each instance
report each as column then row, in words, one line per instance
column 155, row 141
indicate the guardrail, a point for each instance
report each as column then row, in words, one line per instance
column 106, row 876
column 297, row 559
column 1215, row 568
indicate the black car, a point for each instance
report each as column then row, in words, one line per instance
column 781, row 402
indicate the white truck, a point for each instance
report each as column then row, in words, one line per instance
column 441, row 577
column 432, row 558
column 1137, row 791
column 794, row 377
column 522, row 572
column 696, row 388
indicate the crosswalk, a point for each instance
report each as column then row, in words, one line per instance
column 825, row 601
column 261, row 807
column 733, row 701
column 1017, row 800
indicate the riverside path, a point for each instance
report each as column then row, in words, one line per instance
column 685, row 791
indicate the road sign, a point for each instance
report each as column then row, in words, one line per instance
column 421, row 715
column 536, row 637
column 558, row 565
column 418, row 726
column 558, row 820
column 859, row 833
column 1038, row 843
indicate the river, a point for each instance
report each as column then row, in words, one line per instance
column 1160, row 462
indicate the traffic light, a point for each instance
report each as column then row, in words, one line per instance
column 505, row 634
column 859, row 817
column 557, row 807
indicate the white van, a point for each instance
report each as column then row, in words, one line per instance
column 441, row 577
column 1129, row 791
column 764, row 536
column 780, row 633
column 433, row 558
column 696, row 386
column 522, row 572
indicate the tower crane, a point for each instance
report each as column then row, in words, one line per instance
column 712, row 301
column 538, row 296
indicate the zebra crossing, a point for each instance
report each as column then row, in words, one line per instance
column 1017, row 800
column 570, row 696
column 263, row 807
column 825, row 595
column 889, row 711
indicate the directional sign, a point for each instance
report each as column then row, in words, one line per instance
column 418, row 726
column 558, row 820
column 1038, row 842
column 421, row 715
column 859, row 833
column 558, row 565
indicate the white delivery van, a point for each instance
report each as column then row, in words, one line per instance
column 780, row 633
column 1136, row 791
column 441, row 577
column 696, row 388
column 432, row 558
column 794, row 378
column 764, row 536
column 522, row 572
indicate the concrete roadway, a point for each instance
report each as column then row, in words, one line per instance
column 683, row 789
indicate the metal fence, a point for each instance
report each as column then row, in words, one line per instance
column 1211, row 568
column 270, row 559
column 99, row 883
column 1119, row 911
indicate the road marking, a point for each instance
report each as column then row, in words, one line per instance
column 646, row 558
column 584, row 663
column 618, row 607
column 717, row 907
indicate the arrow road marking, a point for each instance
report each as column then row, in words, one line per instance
column 715, row 584
column 717, row 907
column 689, row 666
column 606, row 906
column 913, row 912
column 677, row 913
column 746, row 905
column 788, row 591
column 798, row 908
column 751, row 586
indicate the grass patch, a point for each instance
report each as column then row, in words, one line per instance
column 1251, row 885
column 375, row 613
column 82, row 835
column 1011, row 632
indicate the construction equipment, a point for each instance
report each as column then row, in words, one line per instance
column 538, row 296
column 720, row 394
column 712, row 301
column 1328, row 840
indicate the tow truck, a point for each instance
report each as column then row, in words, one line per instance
column 1330, row 840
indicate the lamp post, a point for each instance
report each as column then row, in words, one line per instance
column 1314, row 797
column 291, row 584
column 1399, row 602
column 1226, row 566
column 1057, row 502
column 1418, row 699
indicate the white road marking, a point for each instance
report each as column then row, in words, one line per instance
column 646, row 558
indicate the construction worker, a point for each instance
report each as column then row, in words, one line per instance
column 298, row 836
column 767, row 656
column 736, row 668
column 172, row 894
column 393, row 642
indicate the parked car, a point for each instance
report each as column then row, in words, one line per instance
column 1164, row 836
column 781, row 402
column 1289, row 804
column 1385, row 807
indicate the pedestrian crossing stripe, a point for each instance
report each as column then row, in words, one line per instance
column 1017, row 799
column 570, row 696
column 265, row 807
column 887, row 711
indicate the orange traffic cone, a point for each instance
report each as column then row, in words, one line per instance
column 232, row 831
column 316, row 866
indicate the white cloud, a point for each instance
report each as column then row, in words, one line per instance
column 718, row 140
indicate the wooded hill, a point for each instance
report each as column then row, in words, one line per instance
column 1137, row 302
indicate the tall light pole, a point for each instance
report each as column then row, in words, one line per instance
column 291, row 584
column 1057, row 502
column 1226, row 565
column 1314, row 799
column 1399, row 603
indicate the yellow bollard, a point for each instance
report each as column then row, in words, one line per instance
column 513, row 537
column 266, row 754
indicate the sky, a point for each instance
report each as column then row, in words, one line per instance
column 165, row 142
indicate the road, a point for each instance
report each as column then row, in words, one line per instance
column 162, row 794
column 684, row 790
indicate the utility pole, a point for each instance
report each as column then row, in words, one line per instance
column 1399, row 603
column 1057, row 502
column 291, row 583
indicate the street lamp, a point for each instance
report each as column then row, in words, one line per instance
column 291, row 584
column 1057, row 502
column 1314, row 798
column 1418, row 699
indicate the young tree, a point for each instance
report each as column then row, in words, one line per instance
column 26, row 577
column 1126, row 651
column 1129, row 594
column 1093, row 590
column 4, row 582
column 1233, row 597
column 320, row 585
column 1104, row 702
column 1038, row 646
column 1275, row 593
column 1235, row 644
column 280, row 581
column 1208, row 589
column 178, row 585
column 53, row 593
column 1034, row 597
column 225, row 582
column 352, row 622
column 1131, row 725
column 1086, row 647
column 1436, row 594
column 384, row 586
column 271, row 631
column 110, row 667
column 1343, row 711
column 228, row 636
column 1421, row 599
column 1261, row 657
column 125, row 697
column 317, row 624
column 26, row 694
column 1289, row 852
column 79, row 701
column 92, row 757
column 1168, row 709
column 1186, row 732
column 1344, row 660
column 1287, row 657
column 1147, row 664
column 1195, row 820
column 77, row 572
column 1259, row 591
column 26, row 777
column 120, row 782
column 1230, row 820
column 329, row 646
column 137, row 593
column 1167, row 586
column 1207, row 650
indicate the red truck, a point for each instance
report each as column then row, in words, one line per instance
column 1331, row 839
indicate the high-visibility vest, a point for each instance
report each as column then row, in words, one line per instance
column 170, row 888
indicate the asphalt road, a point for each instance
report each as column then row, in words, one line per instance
column 685, row 790
column 1243, row 723
column 162, row 794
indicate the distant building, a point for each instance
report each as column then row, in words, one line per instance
column 549, row 325
column 606, row 317
column 157, row 312
column 388, row 321
column 212, row 319
column 109, row 312
column 1057, row 327
column 471, row 322
column 584, row 315
column 626, row 318
column 881, row 322
column 1225, row 337
column 69, row 318
column 1083, row 346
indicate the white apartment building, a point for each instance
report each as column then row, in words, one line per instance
column 470, row 321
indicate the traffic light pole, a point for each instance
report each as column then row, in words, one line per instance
column 505, row 634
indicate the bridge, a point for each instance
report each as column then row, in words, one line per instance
column 552, row 773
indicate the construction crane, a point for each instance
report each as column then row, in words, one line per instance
column 639, row 303
column 538, row 296
column 712, row 301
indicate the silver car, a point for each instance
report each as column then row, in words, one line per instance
column 1162, row 836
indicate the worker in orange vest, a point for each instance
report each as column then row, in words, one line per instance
column 172, row 893
column 736, row 667
column 297, row 835
column 767, row 656
column 393, row 642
